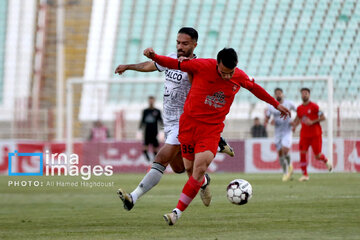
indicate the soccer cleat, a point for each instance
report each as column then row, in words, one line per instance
column 225, row 147
column 171, row 218
column 285, row 178
column 304, row 178
column 126, row 198
column 290, row 171
column 205, row 193
column 329, row 165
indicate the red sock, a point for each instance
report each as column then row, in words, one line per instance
column 303, row 163
column 323, row 158
column 189, row 192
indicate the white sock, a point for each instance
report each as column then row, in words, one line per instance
column 218, row 149
column 178, row 212
column 149, row 181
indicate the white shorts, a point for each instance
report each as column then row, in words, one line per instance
column 283, row 139
column 171, row 134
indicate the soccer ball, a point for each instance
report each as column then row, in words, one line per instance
column 239, row 191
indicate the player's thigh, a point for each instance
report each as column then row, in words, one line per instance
column 316, row 144
column 172, row 134
column 167, row 154
column 278, row 141
column 189, row 165
column 304, row 144
column 177, row 164
column 286, row 141
column 201, row 163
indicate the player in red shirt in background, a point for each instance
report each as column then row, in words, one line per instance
column 215, row 83
column 310, row 116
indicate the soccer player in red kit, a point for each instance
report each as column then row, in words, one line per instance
column 215, row 83
column 310, row 116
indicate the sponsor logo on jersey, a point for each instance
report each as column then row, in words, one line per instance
column 234, row 88
column 174, row 75
column 217, row 100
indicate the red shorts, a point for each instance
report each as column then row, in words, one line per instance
column 315, row 143
column 196, row 137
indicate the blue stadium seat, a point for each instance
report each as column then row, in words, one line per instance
column 318, row 37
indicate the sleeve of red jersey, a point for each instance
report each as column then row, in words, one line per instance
column 257, row 90
column 298, row 112
column 262, row 94
column 171, row 63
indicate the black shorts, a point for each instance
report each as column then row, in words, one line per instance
column 151, row 139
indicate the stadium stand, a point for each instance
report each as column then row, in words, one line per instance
column 272, row 37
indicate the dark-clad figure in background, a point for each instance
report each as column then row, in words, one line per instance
column 258, row 130
column 150, row 119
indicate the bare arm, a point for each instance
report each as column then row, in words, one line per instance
column 320, row 119
column 295, row 123
column 148, row 66
column 311, row 122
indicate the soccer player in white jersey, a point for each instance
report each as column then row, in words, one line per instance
column 177, row 85
column 283, row 133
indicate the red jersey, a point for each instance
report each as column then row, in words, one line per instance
column 210, row 96
column 311, row 111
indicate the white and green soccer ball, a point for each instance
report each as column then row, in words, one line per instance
column 239, row 191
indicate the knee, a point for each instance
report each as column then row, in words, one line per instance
column 199, row 172
column 179, row 170
column 160, row 158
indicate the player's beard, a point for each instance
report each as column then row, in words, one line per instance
column 279, row 99
column 305, row 99
column 181, row 53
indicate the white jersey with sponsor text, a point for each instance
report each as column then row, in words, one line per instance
column 177, row 87
column 281, row 125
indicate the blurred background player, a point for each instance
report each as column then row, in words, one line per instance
column 310, row 116
column 258, row 130
column 99, row 132
column 177, row 85
column 215, row 83
column 283, row 133
column 151, row 118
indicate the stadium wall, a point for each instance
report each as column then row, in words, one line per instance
column 252, row 156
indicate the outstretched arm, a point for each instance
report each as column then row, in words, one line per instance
column 262, row 94
column 171, row 63
column 148, row 66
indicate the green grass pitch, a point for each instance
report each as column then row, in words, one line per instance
column 326, row 207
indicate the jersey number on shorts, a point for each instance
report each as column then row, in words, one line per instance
column 187, row 148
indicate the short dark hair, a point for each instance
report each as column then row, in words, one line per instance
column 278, row 89
column 151, row 97
column 228, row 57
column 305, row 89
column 190, row 31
